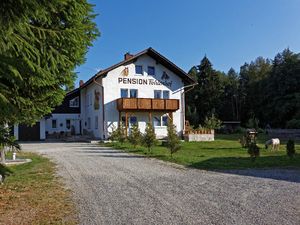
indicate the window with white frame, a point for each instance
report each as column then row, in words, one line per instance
column 124, row 93
column 157, row 93
column 133, row 93
column 54, row 123
column 160, row 121
column 151, row 70
column 138, row 70
column 156, row 121
column 74, row 103
column 68, row 124
column 166, row 94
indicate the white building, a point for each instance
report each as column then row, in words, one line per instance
column 142, row 88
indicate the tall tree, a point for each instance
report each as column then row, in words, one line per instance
column 41, row 43
column 282, row 90
column 230, row 97
column 205, row 99
column 209, row 89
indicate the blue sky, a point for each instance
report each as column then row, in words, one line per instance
column 229, row 32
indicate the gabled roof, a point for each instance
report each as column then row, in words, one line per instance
column 155, row 55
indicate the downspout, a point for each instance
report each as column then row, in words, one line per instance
column 103, row 115
column 192, row 86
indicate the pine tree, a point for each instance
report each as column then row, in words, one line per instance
column 135, row 136
column 149, row 138
column 173, row 142
column 41, row 43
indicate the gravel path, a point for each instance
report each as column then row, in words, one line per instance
column 111, row 187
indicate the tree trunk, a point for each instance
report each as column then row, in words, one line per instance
column 3, row 155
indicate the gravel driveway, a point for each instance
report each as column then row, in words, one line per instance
column 111, row 187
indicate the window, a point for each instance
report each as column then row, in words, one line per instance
column 133, row 120
column 54, row 123
column 89, row 123
column 151, row 70
column 157, row 94
column 164, row 121
column 124, row 93
column 68, row 124
column 133, row 93
column 74, row 103
column 90, row 100
column 159, row 121
column 166, row 94
column 96, row 122
column 139, row 70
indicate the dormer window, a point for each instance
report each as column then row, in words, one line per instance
column 74, row 103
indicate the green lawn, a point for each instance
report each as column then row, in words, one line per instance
column 223, row 153
column 32, row 194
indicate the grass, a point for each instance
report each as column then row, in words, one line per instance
column 32, row 194
column 223, row 153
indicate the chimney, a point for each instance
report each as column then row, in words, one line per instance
column 127, row 56
column 81, row 82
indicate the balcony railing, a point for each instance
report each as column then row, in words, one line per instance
column 147, row 104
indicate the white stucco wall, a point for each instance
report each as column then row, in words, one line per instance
column 112, row 88
column 88, row 110
column 61, row 123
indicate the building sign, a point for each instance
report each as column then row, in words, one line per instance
column 141, row 81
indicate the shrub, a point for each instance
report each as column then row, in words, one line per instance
column 290, row 148
column 149, row 138
column 253, row 151
column 135, row 136
column 118, row 134
column 293, row 124
column 212, row 122
column 173, row 142
column 253, row 123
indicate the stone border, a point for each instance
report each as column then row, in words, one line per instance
column 17, row 162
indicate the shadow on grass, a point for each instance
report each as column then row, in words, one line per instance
column 273, row 167
column 5, row 171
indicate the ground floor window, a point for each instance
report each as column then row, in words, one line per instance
column 54, row 123
column 68, row 124
column 159, row 121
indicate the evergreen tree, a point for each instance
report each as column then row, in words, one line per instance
column 135, row 136
column 41, row 43
column 149, row 138
column 208, row 91
column 173, row 142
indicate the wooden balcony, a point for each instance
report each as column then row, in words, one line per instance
column 147, row 104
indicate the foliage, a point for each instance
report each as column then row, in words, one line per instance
column 212, row 122
column 293, row 124
column 209, row 88
column 268, row 89
column 149, row 138
column 253, row 150
column 135, row 136
column 253, row 123
column 7, row 142
column 41, row 43
column 118, row 134
column 290, row 148
column 173, row 142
